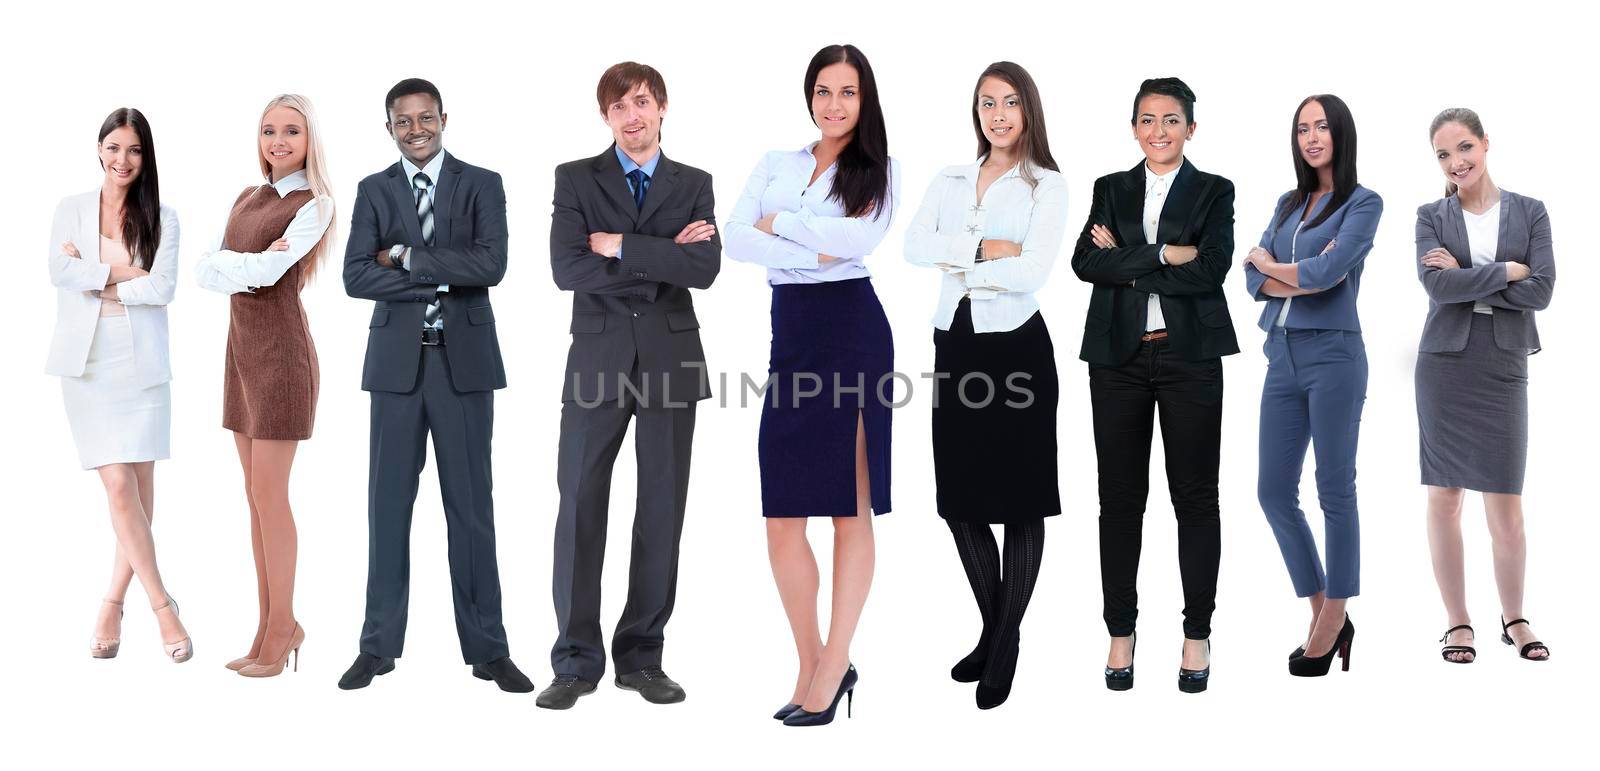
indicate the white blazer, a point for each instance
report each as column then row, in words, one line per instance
column 78, row 307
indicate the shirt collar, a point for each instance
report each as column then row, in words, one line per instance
column 972, row 170
column 1151, row 178
column 649, row 166
column 291, row 183
column 434, row 168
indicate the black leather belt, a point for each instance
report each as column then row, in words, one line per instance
column 432, row 336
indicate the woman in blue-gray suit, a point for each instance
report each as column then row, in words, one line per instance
column 1484, row 257
column 1307, row 269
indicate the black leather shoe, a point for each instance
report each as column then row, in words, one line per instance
column 504, row 674
column 563, row 692
column 653, row 685
column 366, row 667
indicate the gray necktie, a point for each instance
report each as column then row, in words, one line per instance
column 421, row 184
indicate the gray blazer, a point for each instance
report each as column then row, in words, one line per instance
column 1524, row 238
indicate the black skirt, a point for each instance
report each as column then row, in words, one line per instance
column 994, row 451
column 826, row 334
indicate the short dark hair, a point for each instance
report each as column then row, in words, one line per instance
column 1172, row 87
column 408, row 87
column 623, row 77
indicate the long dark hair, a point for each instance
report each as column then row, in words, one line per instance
column 1343, row 128
column 141, row 213
column 861, row 182
column 1036, row 139
column 1468, row 120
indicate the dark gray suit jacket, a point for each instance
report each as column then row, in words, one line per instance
column 1524, row 238
column 468, row 253
column 638, row 308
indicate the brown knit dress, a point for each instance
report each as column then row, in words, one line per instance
column 270, row 384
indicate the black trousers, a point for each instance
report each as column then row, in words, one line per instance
column 462, row 425
column 1126, row 399
column 590, row 440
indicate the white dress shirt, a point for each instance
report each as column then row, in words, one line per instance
column 1155, row 197
column 230, row 272
column 1483, row 239
column 952, row 222
column 809, row 222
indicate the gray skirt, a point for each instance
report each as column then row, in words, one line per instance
column 1472, row 414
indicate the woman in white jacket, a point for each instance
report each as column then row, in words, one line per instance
column 114, row 262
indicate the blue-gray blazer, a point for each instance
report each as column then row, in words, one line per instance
column 1330, row 257
column 1524, row 238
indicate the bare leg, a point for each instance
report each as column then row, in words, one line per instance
column 794, row 568
column 270, row 463
column 1510, row 562
column 1449, row 561
column 133, row 538
column 243, row 444
column 1316, row 612
column 109, row 625
column 1330, row 619
column 853, row 558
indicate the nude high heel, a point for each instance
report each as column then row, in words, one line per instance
column 240, row 663
column 273, row 669
column 179, row 651
column 102, row 648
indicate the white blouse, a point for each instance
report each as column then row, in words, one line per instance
column 1483, row 240
column 950, row 224
column 229, row 272
column 809, row 222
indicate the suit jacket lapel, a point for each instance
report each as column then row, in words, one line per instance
column 1504, row 250
column 88, row 238
column 608, row 175
column 661, row 188
column 448, row 181
column 405, row 205
column 1180, row 200
column 1456, row 240
column 1130, row 207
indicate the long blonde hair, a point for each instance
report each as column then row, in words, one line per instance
column 316, row 173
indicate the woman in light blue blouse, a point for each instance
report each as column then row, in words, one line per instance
column 811, row 217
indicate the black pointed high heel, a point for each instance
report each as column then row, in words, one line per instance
column 1505, row 637
column 785, row 711
column 1121, row 678
column 1317, row 666
column 1196, row 680
column 847, row 692
column 1467, row 649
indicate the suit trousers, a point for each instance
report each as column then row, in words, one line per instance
column 1126, row 399
column 590, row 440
column 462, row 425
column 1316, row 387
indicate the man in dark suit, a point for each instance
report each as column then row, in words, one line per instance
column 632, row 233
column 1158, row 243
column 427, row 240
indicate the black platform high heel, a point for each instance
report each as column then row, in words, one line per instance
column 1121, row 678
column 847, row 691
column 1196, row 680
column 1308, row 666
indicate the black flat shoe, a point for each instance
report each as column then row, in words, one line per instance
column 847, row 691
column 1121, row 678
column 563, row 692
column 504, row 674
column 1195, row 680
column 366, row 667
column 1505, row 637
column 1449, row 649
column 653, row 684
column 1318, row 666
column 785, row 711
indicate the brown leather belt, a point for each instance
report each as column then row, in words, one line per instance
column 1159, row 334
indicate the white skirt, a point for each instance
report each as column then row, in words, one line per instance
column 114, row 421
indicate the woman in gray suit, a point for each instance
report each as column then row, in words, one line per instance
column 1485, row 259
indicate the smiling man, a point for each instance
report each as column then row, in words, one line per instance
column 632, row 233
column 427, row 240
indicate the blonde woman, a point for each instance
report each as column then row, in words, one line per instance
column 276, row 235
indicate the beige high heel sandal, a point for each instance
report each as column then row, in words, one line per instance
column 102, row 648
column 179, row 651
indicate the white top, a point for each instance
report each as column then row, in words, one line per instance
column 952, row 222
column 229, row 272
column 1483, row 239
column 1155, row 197
column 809, row 222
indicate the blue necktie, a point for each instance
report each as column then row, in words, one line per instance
column 638, row 178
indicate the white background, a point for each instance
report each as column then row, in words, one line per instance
column 518, row 85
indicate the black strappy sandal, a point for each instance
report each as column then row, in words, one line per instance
column 1505, row 637
column 1449, row 649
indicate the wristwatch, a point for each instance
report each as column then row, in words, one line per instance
column 395, row 253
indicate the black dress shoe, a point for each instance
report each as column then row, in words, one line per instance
column 653, row 685
column 366, row 667
column 563, row 692
column 504, row 674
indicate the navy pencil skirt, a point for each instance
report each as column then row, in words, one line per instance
column 832, row 356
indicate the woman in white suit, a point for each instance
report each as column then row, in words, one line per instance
column 114, row 262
